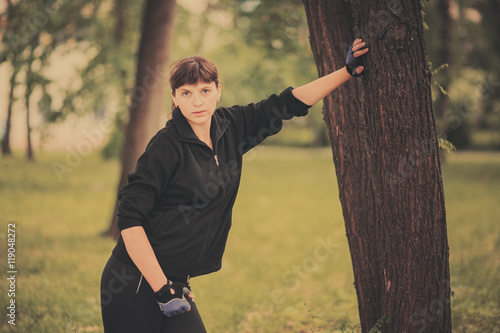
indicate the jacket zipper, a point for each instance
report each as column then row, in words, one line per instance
column 198, row 262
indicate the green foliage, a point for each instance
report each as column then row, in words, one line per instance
column 435, row 82
column 37, row 34
column 473, row 47
column 280, row 28
column 424, row 23
column 469, row 91
column 32, row 34
column 113, row 149
column 377, row 328
column 446, row 145
column 441, row 68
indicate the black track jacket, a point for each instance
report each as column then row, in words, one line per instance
column 182, row 192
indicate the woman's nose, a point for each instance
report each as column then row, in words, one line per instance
column 197, row 100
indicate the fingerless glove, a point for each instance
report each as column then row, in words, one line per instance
column 172, row 304
column 352, row 63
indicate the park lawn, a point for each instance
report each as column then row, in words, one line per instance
column 287, row 266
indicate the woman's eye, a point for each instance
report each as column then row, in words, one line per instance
column 185, row 93
column 206, row 91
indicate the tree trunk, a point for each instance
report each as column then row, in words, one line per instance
column 27, row 96
column 120, row 11
column 149, row 95
column 386, row 155
column 29, row 146
column 121, row 20
column 6, row 151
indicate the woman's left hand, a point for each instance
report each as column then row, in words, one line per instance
column 353, row 61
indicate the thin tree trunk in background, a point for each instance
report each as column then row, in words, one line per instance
column 149, row 95
column 120, row 11
column 386, row 155
column 490, row 12
column 29, row 147
column 446, row 53
column 27, row 96
column 6, row 151
column 121, row 24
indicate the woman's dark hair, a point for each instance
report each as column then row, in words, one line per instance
column 192, row 70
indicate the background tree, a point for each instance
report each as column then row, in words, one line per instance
column 387, row 163
column 31, row 34
column 6, row 150
column 445, row 51
column 149, row 96
column 463, row 35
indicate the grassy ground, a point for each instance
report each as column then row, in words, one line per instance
column 287, row 266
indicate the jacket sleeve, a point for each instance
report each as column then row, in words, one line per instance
column 149, row 179
column 255, row 122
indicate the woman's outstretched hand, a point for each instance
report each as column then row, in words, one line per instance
column 314, row 91
column 354, row 61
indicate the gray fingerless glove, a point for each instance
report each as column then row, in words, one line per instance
column 172, row 304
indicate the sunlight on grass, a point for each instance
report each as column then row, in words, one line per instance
column 287, row 265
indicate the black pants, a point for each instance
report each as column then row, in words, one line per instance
column 128, row 307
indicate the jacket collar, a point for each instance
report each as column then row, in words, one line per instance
column 217, row 128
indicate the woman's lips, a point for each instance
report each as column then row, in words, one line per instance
column 199, row 112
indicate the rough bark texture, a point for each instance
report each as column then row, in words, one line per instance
column 149, row 95
column 386, row 155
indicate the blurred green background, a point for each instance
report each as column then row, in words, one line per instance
column 75, row 77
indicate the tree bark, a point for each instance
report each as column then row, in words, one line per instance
column 386, row 156
column 149, row 95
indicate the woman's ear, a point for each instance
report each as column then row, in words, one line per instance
column 173, row 97
column 219, row 88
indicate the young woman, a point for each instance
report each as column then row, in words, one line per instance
column 175, row 212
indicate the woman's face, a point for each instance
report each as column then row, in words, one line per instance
column 197, row 102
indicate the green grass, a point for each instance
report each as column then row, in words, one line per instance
column 277, row 276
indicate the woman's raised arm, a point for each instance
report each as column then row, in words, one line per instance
column 315, row 91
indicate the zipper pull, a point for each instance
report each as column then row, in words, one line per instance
column 216, row 160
